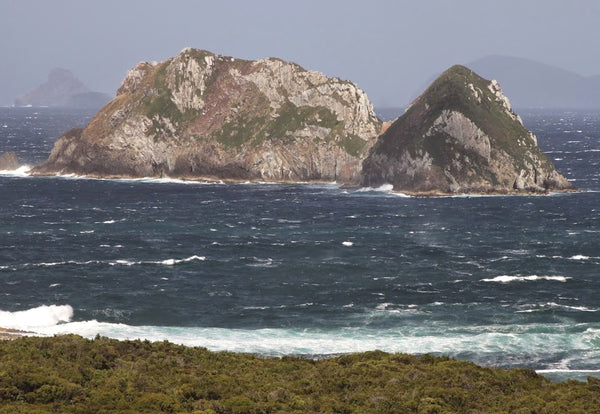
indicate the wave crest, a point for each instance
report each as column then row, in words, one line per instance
column 530, row 278
column 42, row 317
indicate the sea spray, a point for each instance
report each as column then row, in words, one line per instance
column 36, row 319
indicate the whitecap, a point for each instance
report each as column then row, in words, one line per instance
column 348, row 243
column 168, row 262
column 531, row 278
column 164, row 262
column 579, row 257
column 123, row 262
column 171, row 262
column 554, row 305
column 569, row 307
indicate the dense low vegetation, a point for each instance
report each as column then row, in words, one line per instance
column 70, row 374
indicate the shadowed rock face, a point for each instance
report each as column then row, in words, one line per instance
column 201, row 115
column 460, row 136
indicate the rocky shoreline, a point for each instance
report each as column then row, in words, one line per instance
column 10, row 334
column 219, row 180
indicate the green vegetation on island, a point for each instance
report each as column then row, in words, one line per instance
column 70, row 374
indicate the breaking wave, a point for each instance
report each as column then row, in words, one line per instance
column 117, row 262
column 531, row 278
column 22, row 171
column 36, row 319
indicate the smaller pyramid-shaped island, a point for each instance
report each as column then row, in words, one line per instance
column 203, row 116
column 461, row 136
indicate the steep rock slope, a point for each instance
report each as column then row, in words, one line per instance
column 201, row 115
column 460, row 136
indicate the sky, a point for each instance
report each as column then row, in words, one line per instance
column 391, row 48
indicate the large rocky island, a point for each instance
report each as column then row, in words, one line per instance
column 204, row 116
column 201, row 115
column 460, row 136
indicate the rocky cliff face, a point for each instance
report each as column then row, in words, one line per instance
column 460, row 136
column 201, row 115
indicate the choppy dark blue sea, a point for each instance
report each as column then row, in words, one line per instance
column 309, row 269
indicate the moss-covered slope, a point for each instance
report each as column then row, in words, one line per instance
column 204, row 115
column 69, row 374
column 460, row 135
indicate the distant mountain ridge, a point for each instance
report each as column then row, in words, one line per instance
column 62, row 89
column 532, row 84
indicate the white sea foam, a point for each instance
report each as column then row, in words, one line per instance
column 579, row 257
column 531, row 278
column 484, row 343
column 348, row 243
column 553, row 371
column 52, row 264
column 152, row 180
column 36, row 319
column 553, row 305
column 164, row 262
column 22, row 171
column 123, row 262
column 569, row 307
column 171, row 262
column 384, row 188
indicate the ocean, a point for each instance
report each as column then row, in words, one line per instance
column 307, row 269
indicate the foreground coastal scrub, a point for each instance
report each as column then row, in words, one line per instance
column 70, row 374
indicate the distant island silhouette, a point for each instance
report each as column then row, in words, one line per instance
column 62, row 89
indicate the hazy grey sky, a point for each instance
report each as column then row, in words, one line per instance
column 390, row 48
